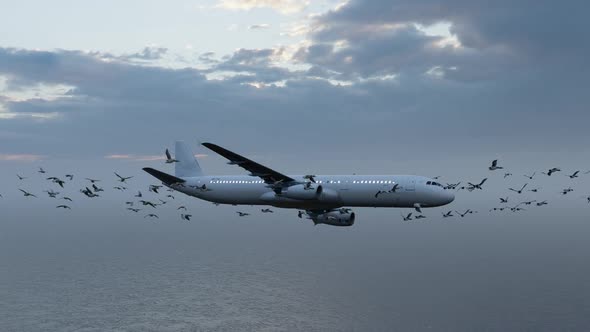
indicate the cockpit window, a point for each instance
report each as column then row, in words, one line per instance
column 429, row 183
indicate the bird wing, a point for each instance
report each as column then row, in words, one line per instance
column 256, row 169
column 483, row 181
column 168, row 156
column 495, row 163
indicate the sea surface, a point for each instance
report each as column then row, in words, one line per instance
column 279, row 273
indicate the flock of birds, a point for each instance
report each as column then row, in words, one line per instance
column 139, row 203
column 503, row 201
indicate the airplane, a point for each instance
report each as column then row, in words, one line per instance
column 323, row 200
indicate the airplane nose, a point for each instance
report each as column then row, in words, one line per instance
column 449, row 197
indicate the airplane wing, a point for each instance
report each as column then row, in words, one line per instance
column 255, row 169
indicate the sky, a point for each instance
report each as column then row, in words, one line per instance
column 435, row 88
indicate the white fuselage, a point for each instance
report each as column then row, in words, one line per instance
column 338, row 191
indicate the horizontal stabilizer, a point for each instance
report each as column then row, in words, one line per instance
column 166, row 178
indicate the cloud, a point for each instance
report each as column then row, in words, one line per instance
column 282, row 6
column 21, row 157
column 259, row 26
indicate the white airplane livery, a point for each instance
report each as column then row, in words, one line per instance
column 325, row 199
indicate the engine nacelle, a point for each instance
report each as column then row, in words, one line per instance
column 335, row 218
column 302, row 192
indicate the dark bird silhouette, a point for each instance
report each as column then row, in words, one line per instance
column 476, row 186
column 498, row 209
column 452, row 186
column 530, row 177
column 182, row 207
column 133, row 209
column 151, row 215
column 528, row 202
column 267, row 211
column 92, row 180
column 566, row 191
column 169, row 159
column 242, row 214
column 534, row 190
column 310, row 177
column 448, row 214
column 57, row 180
column 542, row 203
column 120, row 188
column 52, row 193
column 494, row 166
column 170, row 196
column 418, row 207
column 129, row 203
column 552, row 170
column 148, row 203
column 66, row 198
column 154, row 188
column 41, row 170
column 63, row 207
column 139, row 194
column 86, row 191
column 96, row 188
column 27, row 194
column 575, row 175
column 186, row 217
column 123, row 178
column 520, row 190
column 464, row 214
column 20, row 177
column 420, row 216
column 408, row 217
column 503, row 200
column 507, row 175
column 70, row 177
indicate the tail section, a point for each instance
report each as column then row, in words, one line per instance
column 187, row 165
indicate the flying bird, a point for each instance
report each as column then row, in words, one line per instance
column 408, row 217
column 575, row 175
column 464, row 214
column 476, row 186
column 120, row 188
column 448, row 214
column 494, row 166
column 530, row 177
column 20, row 177
column 518, row 191
column 27, row 194
column 57, row 180
column 70, row 176
column 151, row 215
column 552, row 170
column 96, row 189
column 86, row 191
column 170, row 196
column 310, row 177
column 41, row 170
column 133, row 209
column 542, row 203
column 267, row 211
column 169, row 159
column 242, row 214
column 92, row 180
column 52, row 193
column 452, row 186
column 148, row 203
column 503, row 200
column 123, row 178
column 420, row 216
column 129, row 203
column 507, row 175
column 186, row 217
column 63, row 207
column 138, row 194
column 182, row 207
column 154, row 188
column 566, row 191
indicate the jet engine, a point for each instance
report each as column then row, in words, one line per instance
column 334, row 218
column 302, row 192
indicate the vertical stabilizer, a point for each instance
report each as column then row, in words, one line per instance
column 187, row 165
